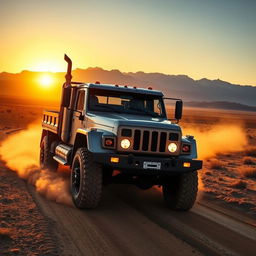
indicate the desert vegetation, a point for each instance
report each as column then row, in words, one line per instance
column 248, row 172
column 249, row 160
column 251, row 151
column 216, row 164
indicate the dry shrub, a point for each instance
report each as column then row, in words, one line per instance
column 249, row 160
column 239, row 184
column 248, row 172
column 5, row 233
column 251, row 151
column 216, row 164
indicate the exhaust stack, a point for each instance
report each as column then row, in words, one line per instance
column 68, row 76
column 65, row 111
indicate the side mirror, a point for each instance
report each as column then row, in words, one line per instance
column 178, row 110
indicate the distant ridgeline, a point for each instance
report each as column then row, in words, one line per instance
column 220, row 105
column 222, row 94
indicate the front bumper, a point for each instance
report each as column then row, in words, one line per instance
column 135, row 164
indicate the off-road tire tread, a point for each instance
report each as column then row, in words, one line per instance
column 186, row 192
column 46, row 157
column 91, row 183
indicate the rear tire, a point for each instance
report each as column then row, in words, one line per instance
column 86, row 180
column 46, row 157
column 180, row 194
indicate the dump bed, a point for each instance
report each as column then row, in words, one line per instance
column 50, row 120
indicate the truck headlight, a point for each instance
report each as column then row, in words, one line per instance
column 125, row 143
column 172, row 147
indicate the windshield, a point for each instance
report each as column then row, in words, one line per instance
column 125, row 102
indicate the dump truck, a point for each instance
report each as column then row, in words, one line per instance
column 119, row 134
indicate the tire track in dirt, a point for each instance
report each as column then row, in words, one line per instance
column 134, row 222
column 114, row 228
column 205, row 229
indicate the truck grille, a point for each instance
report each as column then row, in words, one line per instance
column 148, row 140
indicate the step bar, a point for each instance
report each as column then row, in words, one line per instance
column 63, row 154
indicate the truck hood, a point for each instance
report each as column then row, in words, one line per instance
column 111, row 121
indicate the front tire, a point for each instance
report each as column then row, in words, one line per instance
column 86, row 180
column 46, row 157
column 180, row 194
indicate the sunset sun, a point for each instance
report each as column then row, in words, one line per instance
column 46, row 81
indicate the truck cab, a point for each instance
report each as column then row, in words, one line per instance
column 119, row 134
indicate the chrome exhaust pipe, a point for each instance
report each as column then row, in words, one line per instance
column 68, row 76
column 65, row 112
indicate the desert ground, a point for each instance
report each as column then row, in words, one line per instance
column 227, row 144
column 38, row 218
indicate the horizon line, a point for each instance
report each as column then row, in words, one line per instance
column 123, row 72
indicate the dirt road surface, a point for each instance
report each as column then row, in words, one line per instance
column 130, row 221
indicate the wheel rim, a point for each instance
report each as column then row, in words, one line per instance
column 76, row 179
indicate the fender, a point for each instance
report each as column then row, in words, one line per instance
column 192, row 142
column 92, row 139
column 52, row 136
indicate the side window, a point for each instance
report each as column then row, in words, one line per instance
column 157, row 107
column 80, row 101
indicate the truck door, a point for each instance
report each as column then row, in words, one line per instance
column 78, row 113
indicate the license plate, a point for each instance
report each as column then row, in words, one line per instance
column 152, row 165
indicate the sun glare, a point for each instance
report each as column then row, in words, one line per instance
column 46, row 81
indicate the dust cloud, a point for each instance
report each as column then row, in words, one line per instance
column 218, row 139
column 20, row 151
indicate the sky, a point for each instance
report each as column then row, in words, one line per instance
column 200, row 38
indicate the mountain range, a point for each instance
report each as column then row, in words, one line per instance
column 25, row 84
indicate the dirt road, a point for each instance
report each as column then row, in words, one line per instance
column 135, row 222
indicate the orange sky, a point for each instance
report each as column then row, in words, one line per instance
column 200, row 39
